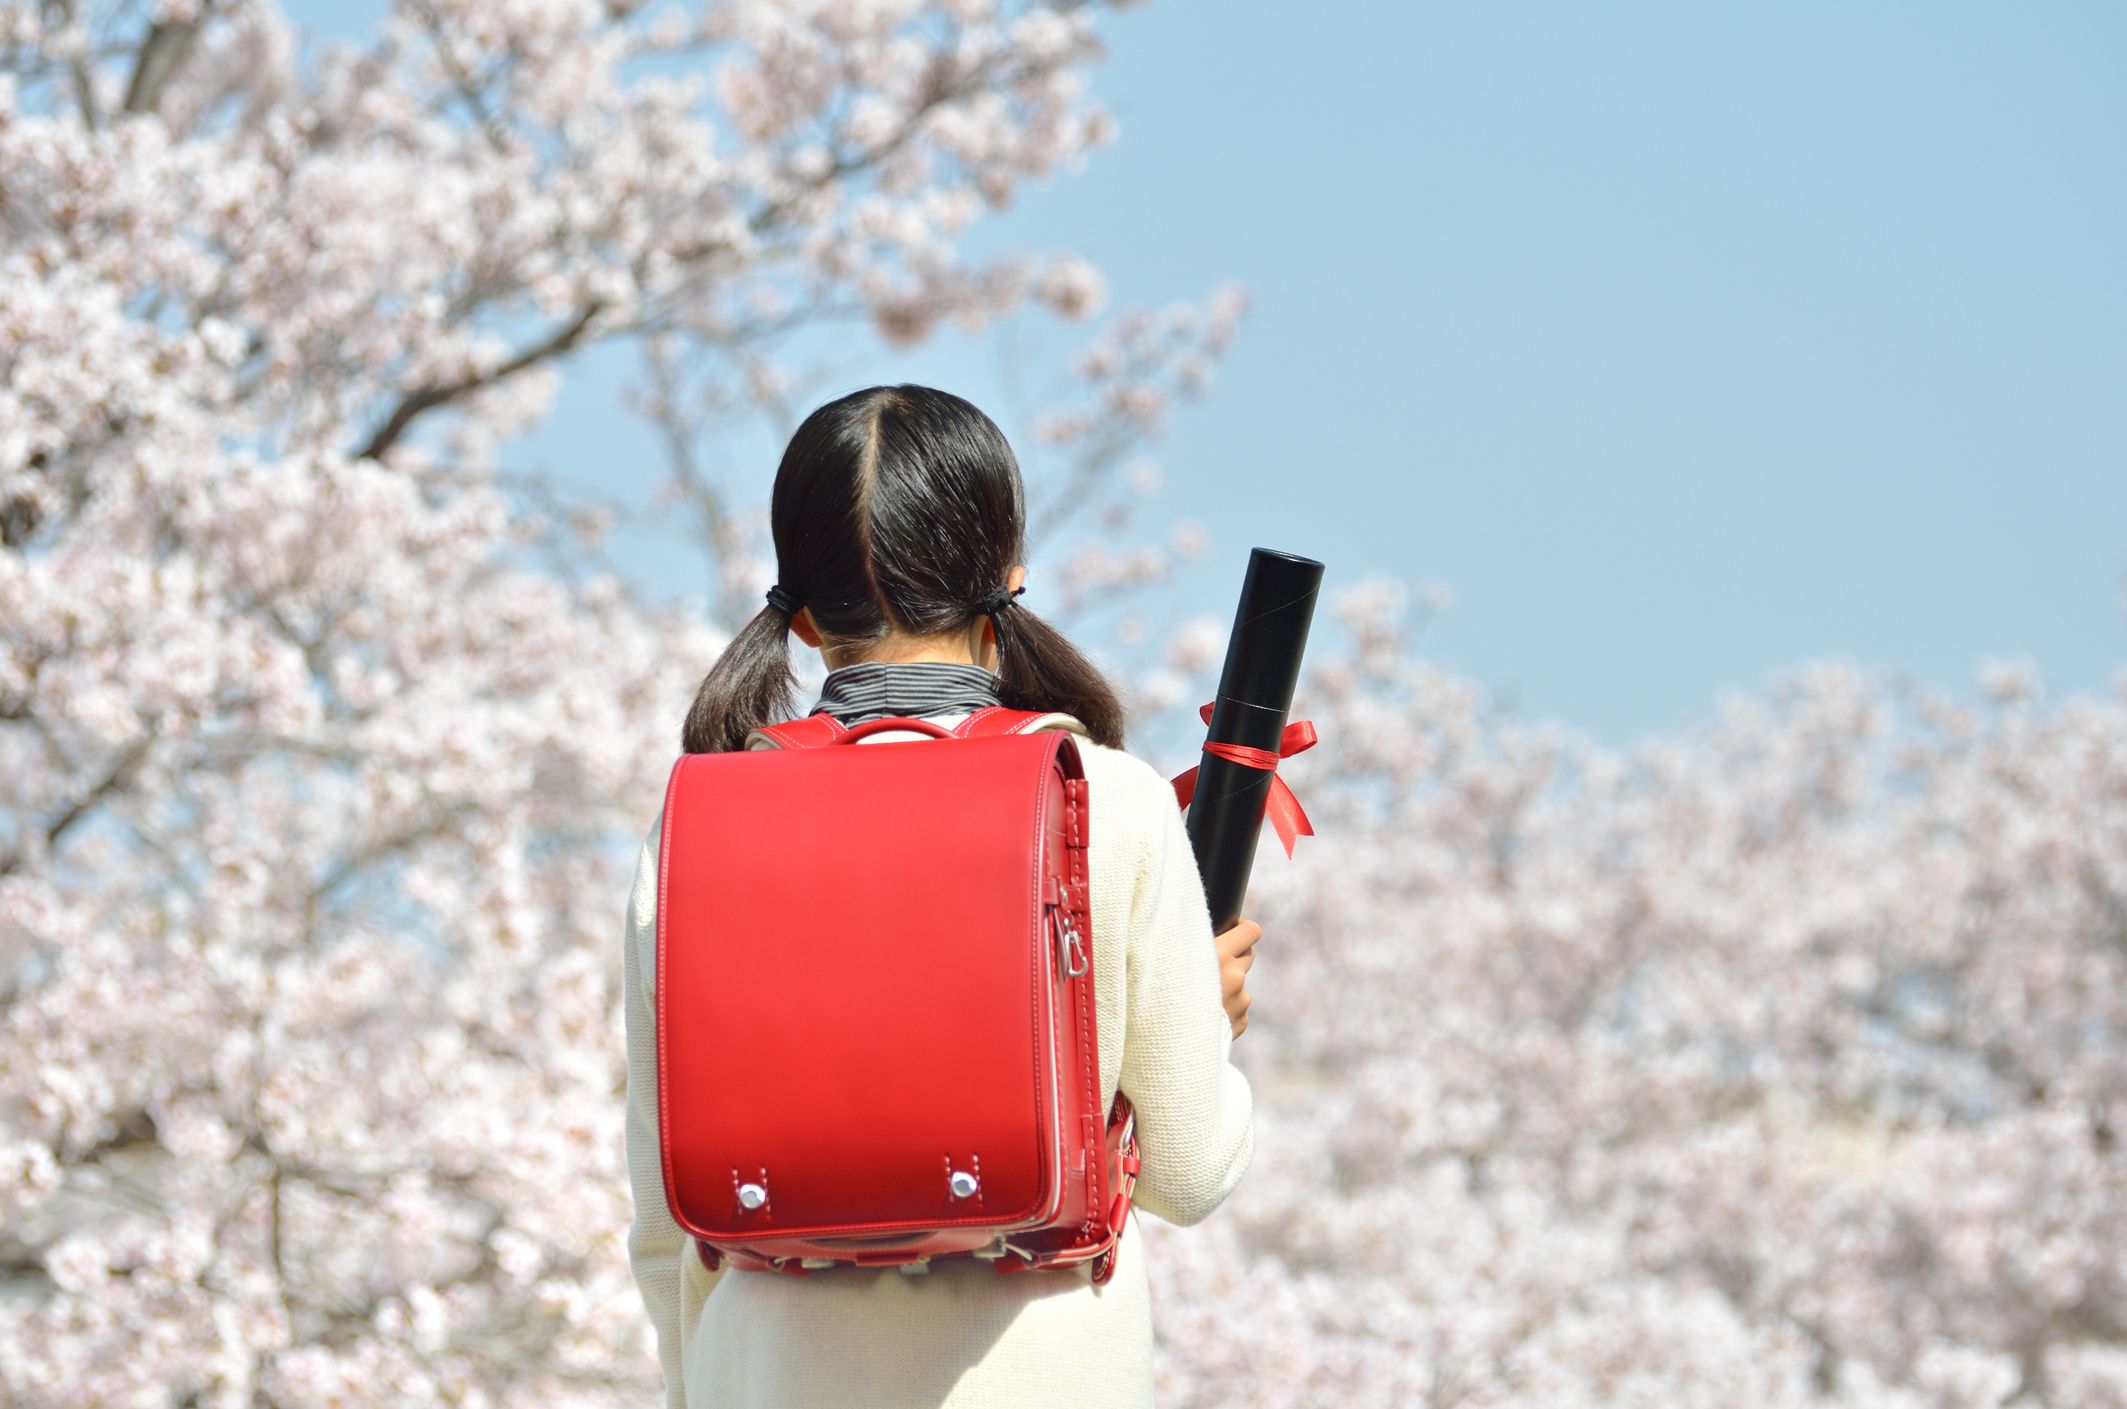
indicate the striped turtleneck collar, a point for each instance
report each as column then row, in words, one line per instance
column 874, row 689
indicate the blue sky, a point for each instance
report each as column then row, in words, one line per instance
column 1682, row 342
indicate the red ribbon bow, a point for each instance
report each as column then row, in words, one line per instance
column 1279, row 804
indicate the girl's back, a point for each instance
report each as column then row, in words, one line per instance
column 962, row 1334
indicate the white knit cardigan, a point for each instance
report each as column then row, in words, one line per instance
column 964, row 1335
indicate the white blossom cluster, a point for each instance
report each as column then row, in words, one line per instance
column 1149, row 360
column 1779, row 1062
column 315, row 795
column 1143, row 365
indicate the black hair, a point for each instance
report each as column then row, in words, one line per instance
column 896, row 508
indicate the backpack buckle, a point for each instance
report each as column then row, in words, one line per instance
column 1070, row 945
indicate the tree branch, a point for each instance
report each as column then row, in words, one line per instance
column 415, row 403
column 162, row 54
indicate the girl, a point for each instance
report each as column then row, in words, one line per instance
column 898, row 519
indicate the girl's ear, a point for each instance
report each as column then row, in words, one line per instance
column 802, row 625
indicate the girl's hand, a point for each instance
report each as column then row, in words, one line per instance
column 1237, row 954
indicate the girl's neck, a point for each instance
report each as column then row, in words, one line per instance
column 953, row 649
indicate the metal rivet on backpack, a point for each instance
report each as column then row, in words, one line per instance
column 752, row 1196
column 962, row 1183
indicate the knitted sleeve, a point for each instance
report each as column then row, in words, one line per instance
column 655, row 1243
column 1195, row 1113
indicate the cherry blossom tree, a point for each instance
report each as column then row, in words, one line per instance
column 315, row 773
column 1778, row 1062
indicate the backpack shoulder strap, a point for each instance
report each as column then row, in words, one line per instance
column 808, row 732
column 992, row 720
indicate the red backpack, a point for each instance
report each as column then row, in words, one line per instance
column 875, row 1010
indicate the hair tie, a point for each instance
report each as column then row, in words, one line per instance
column 1000, row 599
column 783, row 601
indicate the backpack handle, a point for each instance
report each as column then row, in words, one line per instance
column 895, row 721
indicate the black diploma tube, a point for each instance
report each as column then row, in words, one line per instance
column 1255, row 694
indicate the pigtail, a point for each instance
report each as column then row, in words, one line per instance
column 751, row 684
column 1038, row 668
